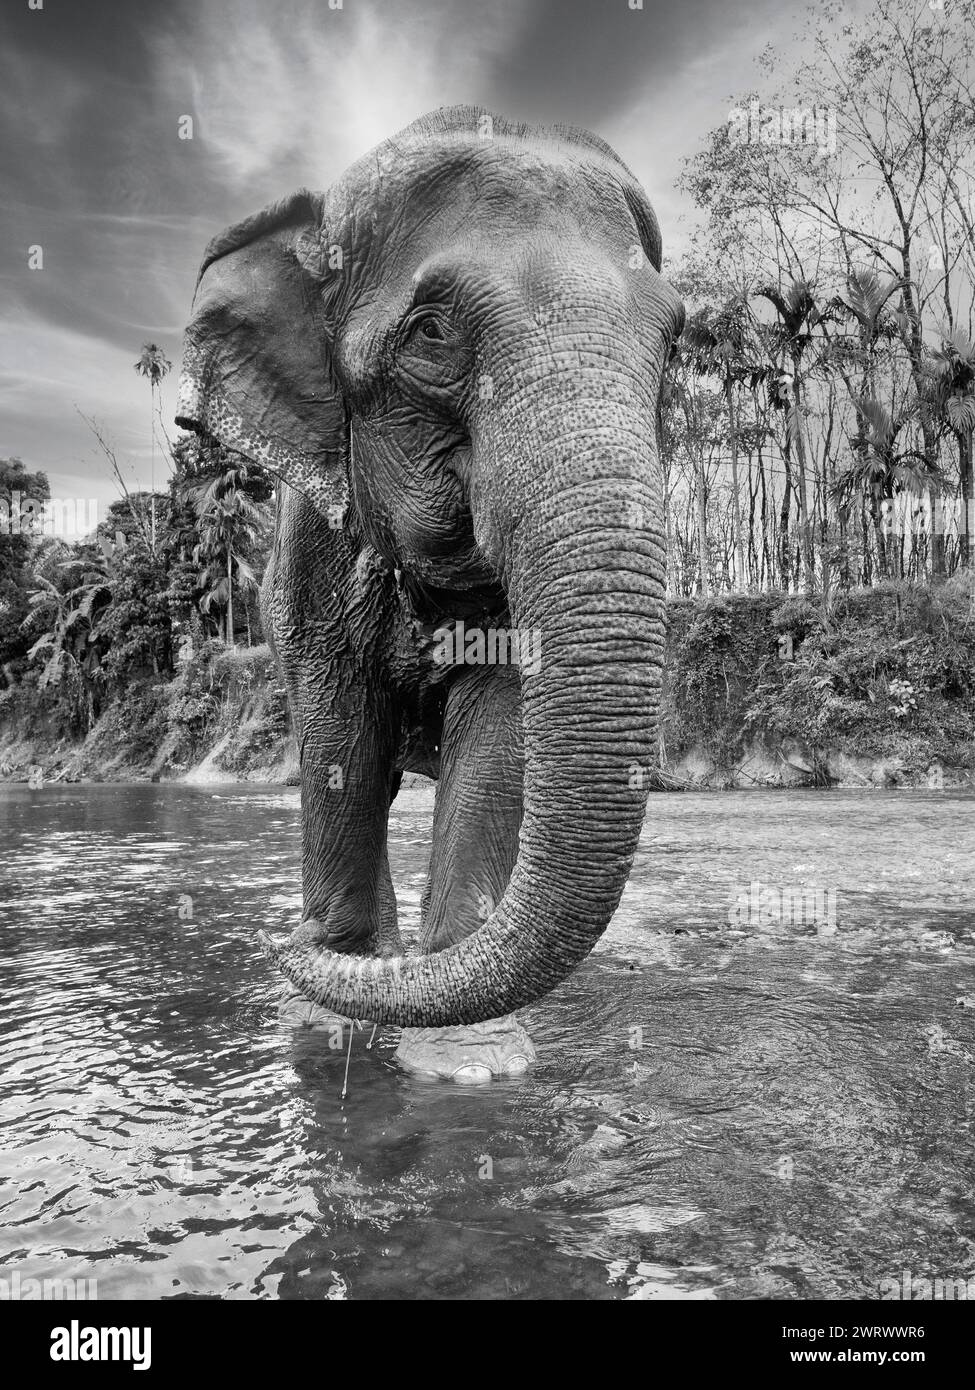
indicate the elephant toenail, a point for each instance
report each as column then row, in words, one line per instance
column 517, row 1065
column 471, row 1071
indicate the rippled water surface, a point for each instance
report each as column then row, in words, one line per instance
column 724, row 1105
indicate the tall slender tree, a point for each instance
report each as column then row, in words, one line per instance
column 952, row 393
column 721, row 344
column 153, row 364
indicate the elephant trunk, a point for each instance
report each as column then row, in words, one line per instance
column 575, row 532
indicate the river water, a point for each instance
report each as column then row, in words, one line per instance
column 728, row 1102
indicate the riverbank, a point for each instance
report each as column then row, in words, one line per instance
column 873, row 688
column 224, row 717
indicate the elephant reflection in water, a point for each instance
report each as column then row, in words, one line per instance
column 452, row 362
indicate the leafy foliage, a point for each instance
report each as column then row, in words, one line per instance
column 16, row 548
column 888, row 663
column 886, row 669
column 85, row 623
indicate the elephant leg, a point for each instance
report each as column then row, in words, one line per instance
column 349, row 902
column 477, row 814
column 344, row 729
column 346, row 789
column 477, row 817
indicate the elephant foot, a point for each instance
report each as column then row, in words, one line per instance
column 473, row 1052
column 295, row 1011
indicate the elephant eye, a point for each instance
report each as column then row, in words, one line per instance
column 433, row 353
column 428, row 328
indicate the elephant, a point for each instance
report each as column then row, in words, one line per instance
column 452, row 363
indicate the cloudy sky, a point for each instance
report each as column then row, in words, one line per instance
column 282, row 93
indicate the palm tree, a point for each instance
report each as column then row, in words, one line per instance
column 880, row 470
column 70, row 642
column 951, row 372
column 798, row 314
column 865, row 302
column 153, row 364
column 683, row 399
column 721, row 345
column 228, row 525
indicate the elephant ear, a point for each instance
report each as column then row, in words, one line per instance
column 649, row 229
column 646, row 223
column 256, row 372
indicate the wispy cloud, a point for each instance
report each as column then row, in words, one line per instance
column 295, row 93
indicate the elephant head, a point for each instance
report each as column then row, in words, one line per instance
column 460, row 346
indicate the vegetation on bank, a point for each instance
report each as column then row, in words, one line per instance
column 885, row 675
column 159, row 580
column 136, row 649
column 882, row 675
column 225, row 709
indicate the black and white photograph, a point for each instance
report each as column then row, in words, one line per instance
column 487, row 668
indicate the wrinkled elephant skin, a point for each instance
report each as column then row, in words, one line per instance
column 452, row 362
